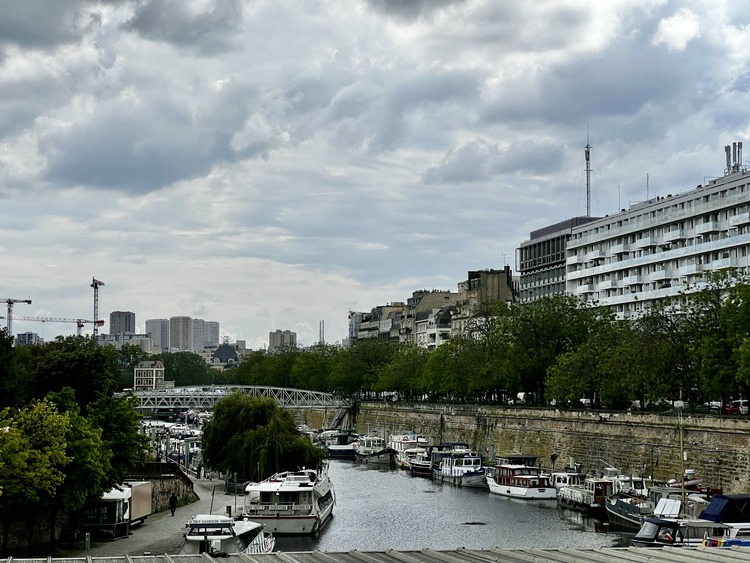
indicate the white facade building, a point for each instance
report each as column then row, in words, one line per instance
column 655, row 249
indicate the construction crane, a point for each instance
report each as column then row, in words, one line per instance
column 79, row 322
column 10, row 303
column 96, row 284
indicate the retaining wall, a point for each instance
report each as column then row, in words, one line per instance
column 717, row 448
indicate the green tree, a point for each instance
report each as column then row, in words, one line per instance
column 405, row 372
column 33, row 448
column 186, row 368
column 541, row 331
column 128, row 358
column 311, row 370
column 254, row 437
column 11, row 381
column 76, row 362
column 125, row 446
column 88, row 474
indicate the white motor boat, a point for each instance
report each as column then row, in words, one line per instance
column 221, row 535
column 291, row 502
column 518, row 476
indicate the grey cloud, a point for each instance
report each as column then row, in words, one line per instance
column 481, row 160
column 172, row 21
column 602, row 84
column 141, row 147
column 41, row 24
column 373, row 116
column 410, row 10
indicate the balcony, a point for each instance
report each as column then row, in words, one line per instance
column 691, row 269
column 594, row 255
column 724, row 263
column 740, row 219
column 660, row 275
column 608, row 284
column 674, row 235
column 584, row 289
column 708, row 227
column 574, row 260
column 635, row 279
column 645, row 242
column 620, row 249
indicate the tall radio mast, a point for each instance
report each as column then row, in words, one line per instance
column 587, row 153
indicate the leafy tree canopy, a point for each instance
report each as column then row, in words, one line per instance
column 254, row 438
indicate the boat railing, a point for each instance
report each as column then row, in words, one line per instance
column 291, row 509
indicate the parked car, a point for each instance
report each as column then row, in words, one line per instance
column 730, row 408
column 713, row 406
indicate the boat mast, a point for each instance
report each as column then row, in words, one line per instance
column 682, row 460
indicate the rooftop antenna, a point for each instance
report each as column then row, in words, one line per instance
column 646, row 186
column 587, row 154
column 322, row 332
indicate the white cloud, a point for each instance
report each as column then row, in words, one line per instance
column 678, row 30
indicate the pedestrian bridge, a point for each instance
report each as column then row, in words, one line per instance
column 194, row 397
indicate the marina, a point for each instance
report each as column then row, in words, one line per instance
column 382, row 510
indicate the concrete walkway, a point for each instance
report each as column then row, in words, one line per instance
column 162, row 533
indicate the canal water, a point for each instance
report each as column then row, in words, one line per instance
column 378, row 510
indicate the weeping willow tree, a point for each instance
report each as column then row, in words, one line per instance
column 254, row 438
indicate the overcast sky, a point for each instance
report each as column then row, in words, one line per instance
column 272, row 164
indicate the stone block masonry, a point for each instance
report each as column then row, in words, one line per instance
column 717, row 448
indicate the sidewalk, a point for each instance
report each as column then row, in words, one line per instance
column 162, row 533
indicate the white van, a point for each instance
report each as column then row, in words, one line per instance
column 741, row 404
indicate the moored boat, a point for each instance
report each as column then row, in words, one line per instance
column 631, row 503
column 407, row 446
column 219, row 536
column 338, row 444
column 291, row 502
column 374, row 452
column 461, row 469
column 523, row 480
column 659, row 532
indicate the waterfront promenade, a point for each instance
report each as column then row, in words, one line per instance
column 162, row 533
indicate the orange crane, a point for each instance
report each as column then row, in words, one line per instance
column 79, row 322
column 10, row 303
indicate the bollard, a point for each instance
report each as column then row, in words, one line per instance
column 229, row 510
column 88, row 541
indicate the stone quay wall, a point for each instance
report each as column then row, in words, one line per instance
column 717, row 448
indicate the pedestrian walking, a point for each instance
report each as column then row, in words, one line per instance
column 173, row 503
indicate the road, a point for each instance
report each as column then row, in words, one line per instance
column 162, row 533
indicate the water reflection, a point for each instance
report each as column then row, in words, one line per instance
column 378, row 510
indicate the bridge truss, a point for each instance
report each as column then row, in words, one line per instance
column 185, row 398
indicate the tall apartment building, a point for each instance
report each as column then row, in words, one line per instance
column 281, row 338
column 181, row 333
column 211, row 335
column 199, row 326
column 653, row 250
column 541, row 260
column 158, row 331
column 121, row 322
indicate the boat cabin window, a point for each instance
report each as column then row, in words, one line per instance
column 648, row 531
